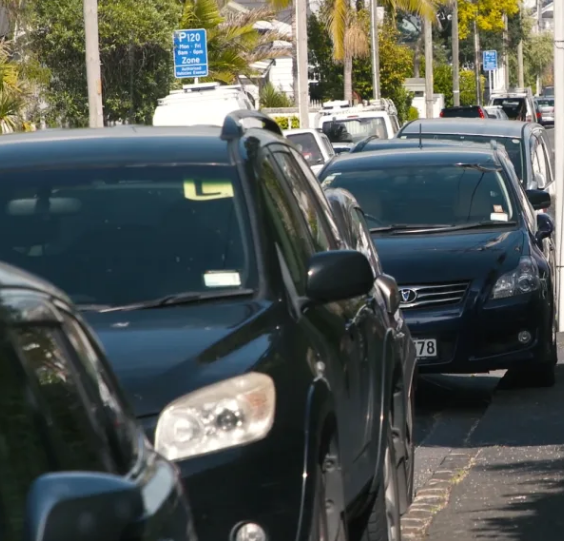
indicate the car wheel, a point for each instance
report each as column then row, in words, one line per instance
column 329, row 503
column 384, row 521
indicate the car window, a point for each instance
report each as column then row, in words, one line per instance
column 120, row 425
column 116, row 235
column 79, row 442
column 311, row 213
column 395, row 124
column 513, row 146
column 288, row 229
column 308, row 146
column 465, row 112
column 548, row 156
column 425, row 194
column 359, row 128
column 315, row 187
column 528, row 210
column 363, row 242
column 327, row 144
column 539, row 161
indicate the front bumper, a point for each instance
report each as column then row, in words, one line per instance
column 259, row 483
column 473, row 338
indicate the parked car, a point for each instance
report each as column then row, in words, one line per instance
column 249, row 337
column 464, row 111
column 314, row 146
column 496, row 111
column 458, row 231
column 71, row 447
column 545, row 111
column 518, row 104
column 526, row 143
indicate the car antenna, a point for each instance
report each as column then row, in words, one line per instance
column 420, row 139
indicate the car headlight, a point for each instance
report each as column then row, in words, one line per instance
column 229, row 413
column 524, row 279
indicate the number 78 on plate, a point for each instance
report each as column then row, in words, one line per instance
column 190, row 53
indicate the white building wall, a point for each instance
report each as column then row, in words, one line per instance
column 280, row 75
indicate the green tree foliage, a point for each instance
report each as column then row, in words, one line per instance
column 396, row 64
column 234, row 45
column 270, row 97
column 539, row 53
column 135, row 48
column 13, row 92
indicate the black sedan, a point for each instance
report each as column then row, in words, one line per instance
column 459, row 233
column 245, row 330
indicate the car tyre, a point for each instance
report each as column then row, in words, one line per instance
column 329, row 522
column 384, row 520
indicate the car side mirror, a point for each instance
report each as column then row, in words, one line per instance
column 545, row 227
column 337, row 275
column 72, row 506
column 539, row 199
column 390, row 291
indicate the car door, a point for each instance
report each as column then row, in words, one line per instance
column 293, row 223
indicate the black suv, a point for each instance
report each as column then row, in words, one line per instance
column 464, row 111
column 75, row 463
column 252, row 341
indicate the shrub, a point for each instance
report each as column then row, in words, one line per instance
column 283, row 121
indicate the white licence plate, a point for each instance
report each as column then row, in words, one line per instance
column 425, row 349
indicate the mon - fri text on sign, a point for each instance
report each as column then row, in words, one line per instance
column 190, row 53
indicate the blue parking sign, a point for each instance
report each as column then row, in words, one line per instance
column 489, row 60
column 190, row 53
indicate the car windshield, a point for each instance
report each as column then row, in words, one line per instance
column 307, row 145
column 513, row 146
column 118, row 235
column 358, row 128
column 425, row 195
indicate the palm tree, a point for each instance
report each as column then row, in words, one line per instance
column 348, row 30
column 234, row 45
column 11, row 93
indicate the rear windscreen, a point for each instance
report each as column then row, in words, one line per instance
column 460, row 113
column 515, row 108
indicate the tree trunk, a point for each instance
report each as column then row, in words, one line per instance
column 417, row 55
column 294, row 60
column 348, row 65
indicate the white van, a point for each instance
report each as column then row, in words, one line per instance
column 201, row 103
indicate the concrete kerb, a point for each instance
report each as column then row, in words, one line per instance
column 433, row 497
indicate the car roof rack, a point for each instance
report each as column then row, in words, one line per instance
column 233, row 128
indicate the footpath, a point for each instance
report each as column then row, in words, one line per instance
column 507, row 483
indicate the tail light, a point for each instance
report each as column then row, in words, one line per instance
column 539, row 115
column 442, row 114
column 481, row 113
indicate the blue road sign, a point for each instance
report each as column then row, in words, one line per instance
column 190, row 53
column 489, row 60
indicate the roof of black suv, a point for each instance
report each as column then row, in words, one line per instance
column 474, row 126
column 426, row 156
column 118, row 145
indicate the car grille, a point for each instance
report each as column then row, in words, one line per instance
column 432, row 295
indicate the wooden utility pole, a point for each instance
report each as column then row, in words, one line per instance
column 477, row 72
column 93, row 70
column 429, row 83
column 455, row 55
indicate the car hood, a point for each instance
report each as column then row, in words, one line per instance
column 161, row 354
column 434, row 258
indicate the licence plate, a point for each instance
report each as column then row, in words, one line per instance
column 426, row 348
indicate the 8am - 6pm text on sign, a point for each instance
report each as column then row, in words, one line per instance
column 190, row 53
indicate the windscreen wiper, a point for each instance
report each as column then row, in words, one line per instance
column 406, row 227
column 185, row 297
column 476, row 225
